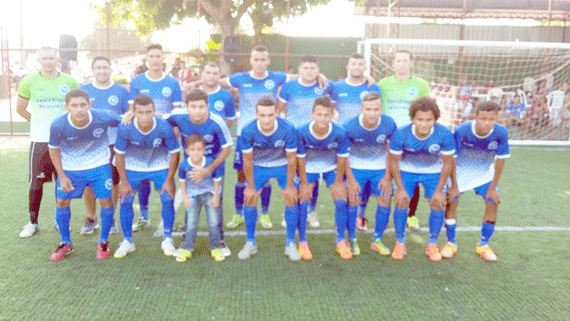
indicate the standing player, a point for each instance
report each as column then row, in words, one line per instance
column 421, row 152
column 220, row 100
column 104, row 94
column 348, row 95
column 398, row 91
column 44, row 92
column 197, row 119
column 166, row 93
column 369, row 164
column 146, row 149
column 269, row 150
column 477, row 143
column 322, row 152
column 79, row 149
column 296, row 100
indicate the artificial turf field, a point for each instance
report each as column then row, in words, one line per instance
column 530, row 281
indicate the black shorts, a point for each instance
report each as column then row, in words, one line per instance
column 41, row 168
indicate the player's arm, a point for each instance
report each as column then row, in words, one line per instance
column 385, row 184
column 492, row 193
column 290, row 192
column 21, row 105
column 438, row 199
column 281, row 108
column 249, row 193
column 305, row 190
column 199, row 174
column 453, row 191
column 65, row 182
column 338, row 188
column 169, row 186
column 401, row 198
column 231, row 122
column 353, row 186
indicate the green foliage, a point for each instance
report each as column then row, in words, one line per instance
column 120, row 79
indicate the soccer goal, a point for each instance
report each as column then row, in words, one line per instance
column 465, row 73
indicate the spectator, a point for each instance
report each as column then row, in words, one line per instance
column 516, row 114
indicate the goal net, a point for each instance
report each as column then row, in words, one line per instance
column 530, row 81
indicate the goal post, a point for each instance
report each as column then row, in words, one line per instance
column 465, row 72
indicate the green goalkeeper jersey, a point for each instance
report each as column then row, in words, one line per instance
column 397, row 95
column 47, row 99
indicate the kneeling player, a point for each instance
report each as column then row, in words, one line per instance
column 477, row 142
column 369, row 163
column 269, row 147
column 146, row 149
column 322, row 152
column 421, row 152
column 79, row 149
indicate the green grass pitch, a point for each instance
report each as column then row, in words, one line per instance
column 530, row 281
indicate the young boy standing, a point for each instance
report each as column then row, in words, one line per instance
column 79, row 149
column 477, row 143
column 197, row 194
column 421, row 152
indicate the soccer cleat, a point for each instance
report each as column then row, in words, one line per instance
column 236, row 221
column 159, row 230
column 184, row 256
column 248, row 250
column 29, row 230
column 140, row 224
column 313, row 220
column 343, row 251
column 305, row 252
column 225, row 249
column 90, row 226
column 486, row 253
column 448, row 250
column 217, row 255
column 62, row 251
column 399, row 251
column 292, row 252
column 433, row 252
column 124, row 249
column 379, row 247
column 265, row 221
column 361, row 224
column 353, row 246
column 114, row 228
column 167, row 246
column 413, row 223
column 103, row 251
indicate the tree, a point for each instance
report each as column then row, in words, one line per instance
column 124, row 41
column 150, row 15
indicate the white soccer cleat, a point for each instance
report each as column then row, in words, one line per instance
column 167, row 247
column 292, row 252
column 29, row 230
column 159, row 230
column 248, row 250
column 313, row 220
column 124, row 249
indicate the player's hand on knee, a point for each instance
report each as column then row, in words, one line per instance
column 353, row 192
column 249, row 195
column 125, row 189
column 169, row 188
column 290, row 196
column 65, row 184
column 305, row 192
column 493, row 195
column 453, row 194
column 338, row 190
column 385, row 187
column 402, row 198
column 438, row 201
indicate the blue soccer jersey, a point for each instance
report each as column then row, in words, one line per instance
column 214, row 130
column 221, row 103
column 83, row 148
column 114, row 98
column 422, row 156
column 147, row 152
column 368, row 146
column 475, row 154
column 300, row 99
column 348, row 98
column 269, row 150
column 165, row 92
column 320, row 153
column 206, row 185
column 251, row 89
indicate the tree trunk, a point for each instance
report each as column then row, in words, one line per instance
column 227, row 27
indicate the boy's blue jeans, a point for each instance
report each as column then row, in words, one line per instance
column 192, row 219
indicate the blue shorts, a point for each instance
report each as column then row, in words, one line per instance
column 364, row 176
column 482, row 190
column 238, row 157
column 136, row 178
column 262, row 174
column 98, row 178
column 328, row 177
column 429, row 181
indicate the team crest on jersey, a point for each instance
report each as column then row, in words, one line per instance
column 98, row 132
column 363, row 93
column 109, row 184
column 412, row 92
column 63, row 89
column 113, row 100
column 381, row 139
column 279, row 144
column 208, row 138
column 333, row 145
column 269, row 84
column 219, row 105
column 166, row 91
column 318, row 91
column 493, row 145
column 434, row 148
column 156, row 142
